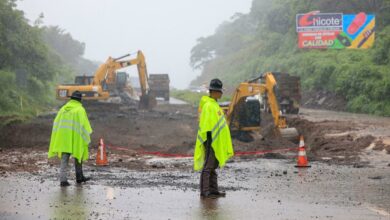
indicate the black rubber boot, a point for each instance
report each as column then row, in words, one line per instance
column 219, row 193
column 83, row 179
column 208, row 195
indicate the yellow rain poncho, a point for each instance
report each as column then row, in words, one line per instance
column 71, row 132
column 212, row 119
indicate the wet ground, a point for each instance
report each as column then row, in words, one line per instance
column 138, row 186
column 256, row 189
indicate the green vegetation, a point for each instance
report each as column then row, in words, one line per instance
column 187, row 96
column 193, row 98
column 265, row 40
column 32, row 62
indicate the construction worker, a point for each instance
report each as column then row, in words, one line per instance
column 70, row 137
column 213, row 144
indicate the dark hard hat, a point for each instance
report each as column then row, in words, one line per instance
column 216, row 85
column 76, row 95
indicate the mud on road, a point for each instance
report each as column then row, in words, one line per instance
column 256, row 189
column 348, row 179
column 333, row 137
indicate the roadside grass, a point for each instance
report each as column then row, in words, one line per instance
column 193, row 98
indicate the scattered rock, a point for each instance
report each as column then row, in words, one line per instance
column 358, row 165
column 158, row 165
column 177, row 165
column 376, row 177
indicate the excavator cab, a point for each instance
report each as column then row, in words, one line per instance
column 83, row 80
column 247, row 114
column 250, row 112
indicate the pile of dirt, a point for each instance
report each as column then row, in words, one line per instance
column 332, row 140
column 22, row 159
column 323, row 100
column 171, row 129
column 380, row 145
column 166, row 127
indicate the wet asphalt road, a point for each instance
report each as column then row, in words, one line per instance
column 256, row 189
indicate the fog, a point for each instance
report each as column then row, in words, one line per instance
column 164, row 30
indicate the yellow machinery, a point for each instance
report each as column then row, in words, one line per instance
column 106, row 81
column 236, row 110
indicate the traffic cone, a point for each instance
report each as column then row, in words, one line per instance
column 302, row 159
column 101, row 156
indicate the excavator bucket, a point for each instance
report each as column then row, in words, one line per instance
column 289, row 134
column 285, row 132
column 147, row 101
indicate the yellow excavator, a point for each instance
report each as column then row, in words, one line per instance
column 243, row 116
column 107, row 82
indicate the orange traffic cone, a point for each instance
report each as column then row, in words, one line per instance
column 302, row 160
column 101, row 156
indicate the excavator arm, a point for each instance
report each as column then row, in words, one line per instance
column 147, row 99
column 107, row 71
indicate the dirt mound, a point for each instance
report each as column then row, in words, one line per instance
column 380, row 145
column 166, row 127
column 171, row 129
column 35, row 133
column 332, row 140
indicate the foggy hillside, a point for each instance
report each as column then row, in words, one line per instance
column 266, row 40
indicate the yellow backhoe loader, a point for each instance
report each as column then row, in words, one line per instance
column 239, row 115
column 106, row 82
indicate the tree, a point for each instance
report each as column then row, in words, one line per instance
column 265, row 40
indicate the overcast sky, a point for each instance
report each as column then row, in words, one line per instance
column 164, row 30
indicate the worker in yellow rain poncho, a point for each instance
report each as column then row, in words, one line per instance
column 70, row 137
column 213, row 145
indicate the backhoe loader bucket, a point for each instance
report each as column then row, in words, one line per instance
column 289, row 134
column 147, row 101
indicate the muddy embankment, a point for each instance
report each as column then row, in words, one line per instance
column 171, row 129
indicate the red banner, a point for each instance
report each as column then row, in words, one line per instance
column 317, row 39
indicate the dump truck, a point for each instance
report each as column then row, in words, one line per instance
column 288, row 92
column 159, row 85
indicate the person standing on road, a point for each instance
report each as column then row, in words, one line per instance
column 213, row 144
column 70, row 137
